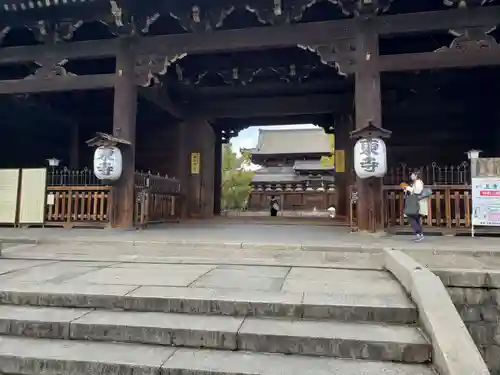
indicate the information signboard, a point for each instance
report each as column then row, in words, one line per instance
column 486, row 201
column 195, row 163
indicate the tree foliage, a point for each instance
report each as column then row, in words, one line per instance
column 236, row 179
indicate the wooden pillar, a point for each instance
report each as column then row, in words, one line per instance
column 196, row 138
column 74, row 154
column 183, row 166
column 217, row 176
column 368, row 108
column 124, row 126
column 343, row 143
column 208, row 169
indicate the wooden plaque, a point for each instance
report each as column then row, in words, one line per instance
column 32, row 197
column 9, row 184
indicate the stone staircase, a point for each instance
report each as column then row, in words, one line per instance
column 63, row 329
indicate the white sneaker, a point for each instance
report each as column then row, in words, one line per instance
column 419, row 238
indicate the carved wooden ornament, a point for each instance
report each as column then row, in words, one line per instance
column 148, row 68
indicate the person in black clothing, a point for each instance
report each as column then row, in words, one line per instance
column 274, row 206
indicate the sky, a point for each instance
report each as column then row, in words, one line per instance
column 248, row 138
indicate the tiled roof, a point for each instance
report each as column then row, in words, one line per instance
column 310, row 165
column 293, row 141
column 281, row 175
column 270, row 178
column 273, row 174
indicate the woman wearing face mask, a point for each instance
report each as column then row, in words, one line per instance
column 416, row 206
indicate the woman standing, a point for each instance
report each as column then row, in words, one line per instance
column 416, row 201
column 274, row 206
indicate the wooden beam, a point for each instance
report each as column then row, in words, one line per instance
column 92, row 49
column 158, row 96
column 258, row 89
column 439, row 60
column 243, row 123
column 437, row 20
column 314, row 33
column 68, row 83
column 297, row 109
column 274, row 106
column 317, row 33
column 256, row 38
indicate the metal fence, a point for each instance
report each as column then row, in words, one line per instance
column 73, row 177
column 433, row 174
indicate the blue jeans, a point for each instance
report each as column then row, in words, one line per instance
column 415, row 224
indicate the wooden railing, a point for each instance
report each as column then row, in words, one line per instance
column 450, row 208
column 158, row 199
column 78, row 206
column 76, row 198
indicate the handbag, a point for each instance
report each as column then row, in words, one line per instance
column 412, row 207
column 426, row 192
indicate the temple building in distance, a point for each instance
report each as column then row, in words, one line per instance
column 297, row 168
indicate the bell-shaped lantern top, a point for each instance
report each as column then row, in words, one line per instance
column 54, row 162
column 371, row 131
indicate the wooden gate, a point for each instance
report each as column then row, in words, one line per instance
column 158, row 199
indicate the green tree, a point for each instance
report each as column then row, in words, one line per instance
column 236, row 180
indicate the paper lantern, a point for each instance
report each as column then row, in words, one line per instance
column 108, row 163
column 370, row 158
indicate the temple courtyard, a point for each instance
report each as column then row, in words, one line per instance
column 258, row 233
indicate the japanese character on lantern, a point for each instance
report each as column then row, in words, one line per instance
column 108, row 163
column 108, row 159
column 370, row 158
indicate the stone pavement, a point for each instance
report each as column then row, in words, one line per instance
column 463, row 263
column 173, row 254
column 372, row 283
column 250, row 235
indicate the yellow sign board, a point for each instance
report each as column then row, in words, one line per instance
column 195, row 163
column 329, row 161
column 340, row 161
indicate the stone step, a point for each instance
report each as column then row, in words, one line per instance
column 319, row 338
column 58, row 357
column 388, row 309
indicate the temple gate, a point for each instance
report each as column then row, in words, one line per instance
column 173, row 79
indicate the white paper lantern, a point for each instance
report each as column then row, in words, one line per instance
column 108, row 164
column 370, row 158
